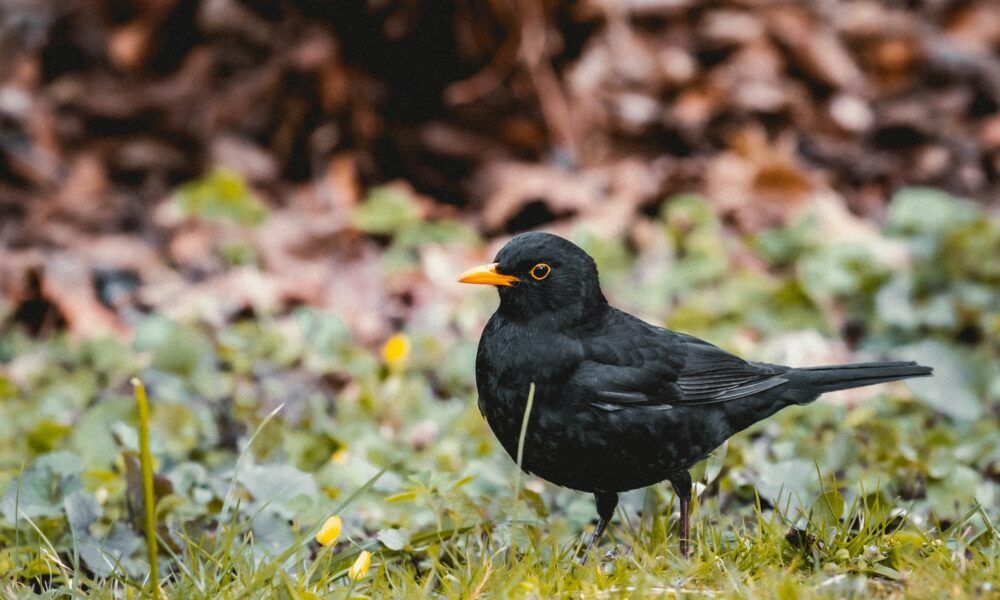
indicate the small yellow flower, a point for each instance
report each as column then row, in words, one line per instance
column 340, row 456
column 396, row 349
column 360, row 567
column 330, row 531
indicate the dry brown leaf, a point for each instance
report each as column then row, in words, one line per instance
column 814, row 47
column 759, row 184
column 66, row 282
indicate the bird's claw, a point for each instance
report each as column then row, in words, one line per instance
column 615, row 552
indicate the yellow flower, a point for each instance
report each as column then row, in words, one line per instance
column 340, row 456
column 396, row 349
column 330, row 531
column 360, row 567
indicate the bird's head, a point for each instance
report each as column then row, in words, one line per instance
column 540, row 274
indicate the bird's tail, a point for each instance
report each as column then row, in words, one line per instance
column 818, row 380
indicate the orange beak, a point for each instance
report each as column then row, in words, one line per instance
column 486, row 274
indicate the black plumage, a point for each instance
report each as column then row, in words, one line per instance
column 619, row 403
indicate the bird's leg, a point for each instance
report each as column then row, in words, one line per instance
column 606, row 504
column 681, row 482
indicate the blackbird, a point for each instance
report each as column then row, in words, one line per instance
column 619, row 404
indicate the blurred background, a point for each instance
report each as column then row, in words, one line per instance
column 265, row 203
column 148, row 147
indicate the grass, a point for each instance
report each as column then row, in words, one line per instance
column 262, row 429
column 148, row 497
column 465, row 537
column 759, row 557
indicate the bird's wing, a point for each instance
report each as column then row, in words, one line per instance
column 639, row 366
column 710, row 374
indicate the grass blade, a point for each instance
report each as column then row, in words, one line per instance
column 149, row 501
column 520, row 440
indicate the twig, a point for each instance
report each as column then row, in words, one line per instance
column 552, row 100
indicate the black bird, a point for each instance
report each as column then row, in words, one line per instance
column 619, row 404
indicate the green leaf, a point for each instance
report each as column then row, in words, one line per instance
column 696, row 233
column 828, row 508
column 950, row 391
column 953, row 494
column 387, row 210
column 925, row 210
column 784, row 246
column 104, row 555
column 47, row 435
column 176, row 348
column 43, row 486
column 716, row 460
column 287, row 489
column 92, row 436
column 176, row 428
column 221, row 195
column 272, row 533
column 393, row 539
column 840, row 271
column 435, row 232
column 884, row 571
column 786, row 483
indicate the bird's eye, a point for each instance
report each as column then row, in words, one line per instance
column 540, row 271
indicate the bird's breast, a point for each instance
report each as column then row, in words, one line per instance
column 510, row 359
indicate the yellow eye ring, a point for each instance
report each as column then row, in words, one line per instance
column 540, row 271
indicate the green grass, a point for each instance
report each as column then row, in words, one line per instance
column 262, row 429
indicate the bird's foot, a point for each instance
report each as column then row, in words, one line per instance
column 685, row 549
column 616, row 552
column 608, row 556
